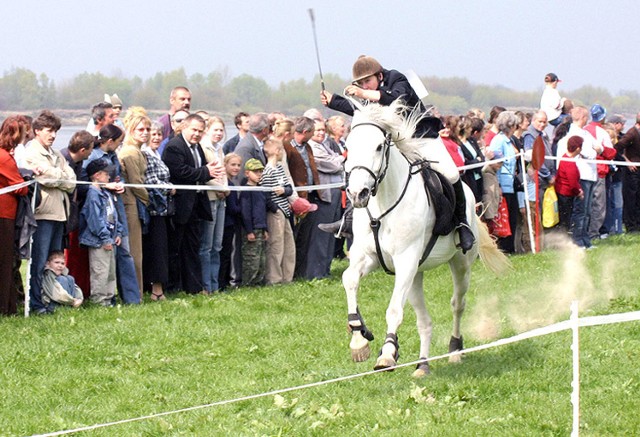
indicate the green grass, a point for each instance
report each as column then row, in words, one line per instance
column 98, row 365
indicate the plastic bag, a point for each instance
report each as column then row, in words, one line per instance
column 499, row 226
column 550, row 215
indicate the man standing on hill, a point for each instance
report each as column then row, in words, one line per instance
column 180, row 98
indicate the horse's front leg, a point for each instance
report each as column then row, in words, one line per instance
column 359, row 266
column 405, row 274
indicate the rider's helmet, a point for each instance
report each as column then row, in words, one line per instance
column 364, row 67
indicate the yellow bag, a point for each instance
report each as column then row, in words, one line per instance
column 550, row 216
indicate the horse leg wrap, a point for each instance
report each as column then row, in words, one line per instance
column 356, row 323
column 455, row 344
column 423, row 366
column 392, row 339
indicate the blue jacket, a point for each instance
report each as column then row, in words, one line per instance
column 95, row 230
column 253, row 205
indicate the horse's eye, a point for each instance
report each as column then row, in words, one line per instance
column 379, row 148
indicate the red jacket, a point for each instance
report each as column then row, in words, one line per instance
column 9, row 175
column 568, row 178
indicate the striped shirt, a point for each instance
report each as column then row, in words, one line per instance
column 275, row 177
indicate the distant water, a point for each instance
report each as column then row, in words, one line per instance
column 66, row 132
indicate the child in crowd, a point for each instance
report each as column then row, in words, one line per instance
column 281, row 248
column 253, row 206
column 568, row 183
column 58, row 286
column 100, row 231
column 231, row 253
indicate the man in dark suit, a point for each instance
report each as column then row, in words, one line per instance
column 188, row 166
column 251, row 145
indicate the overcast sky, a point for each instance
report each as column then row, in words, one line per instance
column 512, row 43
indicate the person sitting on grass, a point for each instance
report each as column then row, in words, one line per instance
column 58, row 286
column 100, row 231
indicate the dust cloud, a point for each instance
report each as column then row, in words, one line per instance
column 547, row 300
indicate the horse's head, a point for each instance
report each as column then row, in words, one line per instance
column 368, row 145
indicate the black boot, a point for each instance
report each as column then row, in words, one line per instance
column 464, row 231
column 342, row 227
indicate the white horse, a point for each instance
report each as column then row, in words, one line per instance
column 388, row 193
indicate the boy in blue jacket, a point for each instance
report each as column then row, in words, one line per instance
column 253, row 205
column 100, row 231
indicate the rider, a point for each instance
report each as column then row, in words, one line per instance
column 373, row 83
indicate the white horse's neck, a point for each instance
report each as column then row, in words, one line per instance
column 392, row 186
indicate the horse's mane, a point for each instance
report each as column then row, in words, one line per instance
column 398, row 119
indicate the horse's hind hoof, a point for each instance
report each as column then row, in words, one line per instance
column 385, row 363
column 455, row 344
column 422, row 370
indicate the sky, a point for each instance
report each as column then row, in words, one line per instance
column 512, row 43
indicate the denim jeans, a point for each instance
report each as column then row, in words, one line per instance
column 126, row 274
column 48, row 236
column 582, row 213
column 613, row 221
column 211, row 244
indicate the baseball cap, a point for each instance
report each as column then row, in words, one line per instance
column 302, row 206
column 253, row 164
column 98, row 165
column 551, row 77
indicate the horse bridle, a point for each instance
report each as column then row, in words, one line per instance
column 384, row 164
column 374, row 222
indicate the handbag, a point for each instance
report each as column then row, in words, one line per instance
column 550, row 215
column 499, row 226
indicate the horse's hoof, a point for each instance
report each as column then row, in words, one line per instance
column 422, row 370
column 455, row 359
column 385, row 363
column 361, row 354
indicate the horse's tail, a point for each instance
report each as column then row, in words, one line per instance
column 491, row 256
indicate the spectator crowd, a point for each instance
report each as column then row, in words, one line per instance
column 134, row 205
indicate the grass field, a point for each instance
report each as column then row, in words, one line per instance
column 98, row 365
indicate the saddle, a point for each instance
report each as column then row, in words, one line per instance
column 441, row 194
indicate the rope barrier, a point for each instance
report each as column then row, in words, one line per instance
column 571, row 324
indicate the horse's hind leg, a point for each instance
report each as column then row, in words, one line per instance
column 359, row 266
column 461, row 273
column 423, row 320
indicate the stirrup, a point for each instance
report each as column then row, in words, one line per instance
column 465, row 243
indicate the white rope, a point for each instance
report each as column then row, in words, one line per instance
column 557, row 327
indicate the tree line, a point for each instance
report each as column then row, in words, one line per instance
column 24, row 90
